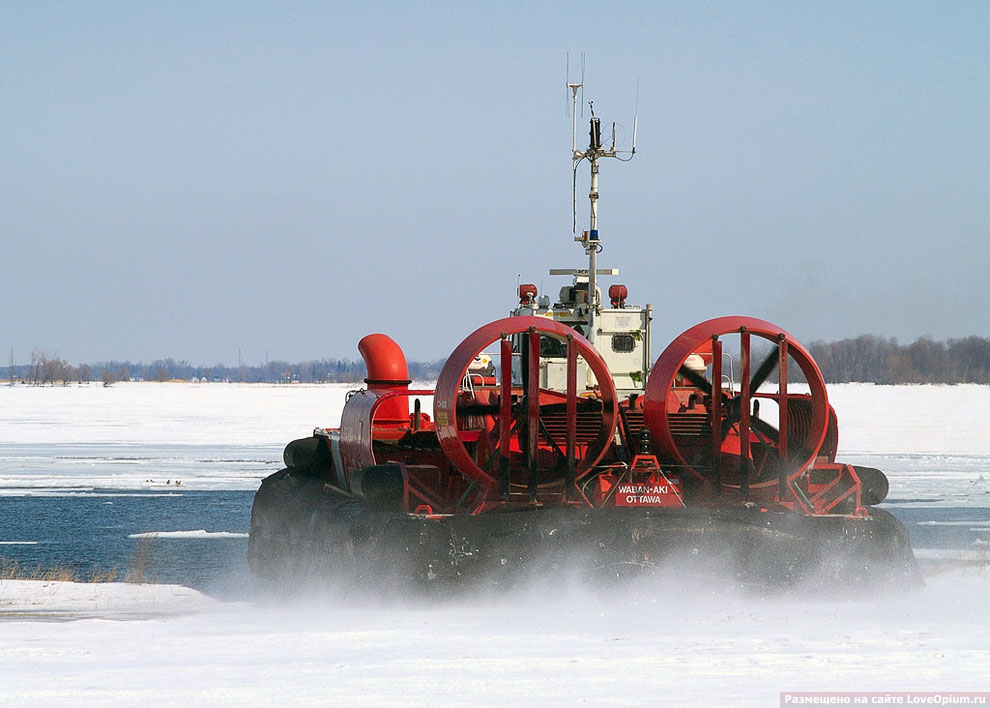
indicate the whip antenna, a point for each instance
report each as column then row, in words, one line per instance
column 574, row 87
column 635, row 119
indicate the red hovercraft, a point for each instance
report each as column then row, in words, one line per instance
column 563, row 449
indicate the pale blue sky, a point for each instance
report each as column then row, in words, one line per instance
column 188, row 179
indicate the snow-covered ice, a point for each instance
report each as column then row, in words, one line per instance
column 82, row 439
column 48, row 599
column 144, row 436
column 63, row 643
column 199, row 533
column 561, row 648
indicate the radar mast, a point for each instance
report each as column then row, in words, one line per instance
column 590, row 239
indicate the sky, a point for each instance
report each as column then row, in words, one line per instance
column 268, row 180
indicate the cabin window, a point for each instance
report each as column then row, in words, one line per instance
column 551, row 347
column 623, row 343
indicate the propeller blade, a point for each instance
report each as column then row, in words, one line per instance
column 695, row 378
column 764, row 429
column 730, row 411
column 549, row 438
column 764, row 369
column 498, row 443
column 477, row 409
column 584, row 405
column 771, row 434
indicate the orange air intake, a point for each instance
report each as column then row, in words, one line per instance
column 387, row 371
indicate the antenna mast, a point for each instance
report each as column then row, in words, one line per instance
column 589, row 239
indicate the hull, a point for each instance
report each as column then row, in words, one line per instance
column 308, row 533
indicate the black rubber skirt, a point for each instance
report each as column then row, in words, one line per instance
column 306, row 533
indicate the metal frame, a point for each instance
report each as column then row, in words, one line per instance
column 449, row 389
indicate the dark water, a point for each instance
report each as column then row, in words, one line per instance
column 89, row 531
column 944, row 527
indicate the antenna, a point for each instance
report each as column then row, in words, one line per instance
column 589, row 239
column 574, row 88
column 635, row 119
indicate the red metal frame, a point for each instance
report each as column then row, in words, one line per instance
column 358, row 428
column 378, row 417
column 660, row 400
column 782, row 450
column 716, row 411
column 825, row 498
column 449, row 390
column 744, row 404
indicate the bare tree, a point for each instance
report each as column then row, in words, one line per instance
column 54, row 369
column 84, row 373
column 37, row 357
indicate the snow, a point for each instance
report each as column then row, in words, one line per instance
column 555, row 648
column 163, row 437
column 979, row 555
column 949, row 421
column 138, row 413
column 68, row 643
column 201, row 533
column 49, row 599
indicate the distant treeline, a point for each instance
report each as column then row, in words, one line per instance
column 876, row 360
column 48, row 369
column 867, row 359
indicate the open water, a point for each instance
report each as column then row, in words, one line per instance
column 102, row 529
column 201, row 535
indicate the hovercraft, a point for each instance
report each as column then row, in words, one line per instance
column 554, row 446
